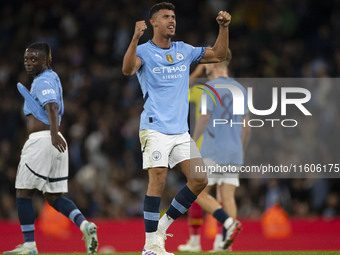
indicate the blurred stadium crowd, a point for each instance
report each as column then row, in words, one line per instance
column 281, row 38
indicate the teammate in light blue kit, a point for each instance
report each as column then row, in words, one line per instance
column 223, row 145
column 218, row 135
column 162, row 69
column 44, row 158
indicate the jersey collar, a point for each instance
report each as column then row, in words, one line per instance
column 155, row 45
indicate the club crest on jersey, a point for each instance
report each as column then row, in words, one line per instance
column 156, row 155
column 179, row 56
column 169, row 58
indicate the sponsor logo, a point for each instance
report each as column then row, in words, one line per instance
column 48, row 91
column 172, row 69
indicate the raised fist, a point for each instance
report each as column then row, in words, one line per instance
column 223, row 18
column 140, row 28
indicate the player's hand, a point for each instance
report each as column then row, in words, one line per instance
column 58, row 142
column 223, row 18
column 140, row 28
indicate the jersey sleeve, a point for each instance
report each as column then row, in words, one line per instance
column 196, row 53
column 45, row 92
column 139, row 53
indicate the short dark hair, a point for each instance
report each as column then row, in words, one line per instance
column 44, row 47
column 161, row 6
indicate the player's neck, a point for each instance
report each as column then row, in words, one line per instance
column 220, row 74
column 43, row 70
column 161, row 42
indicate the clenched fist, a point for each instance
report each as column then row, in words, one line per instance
column 140, row 28
column 223, row 18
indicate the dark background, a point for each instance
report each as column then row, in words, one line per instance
column 282, row 38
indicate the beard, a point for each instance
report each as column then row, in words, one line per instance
column 171, row 36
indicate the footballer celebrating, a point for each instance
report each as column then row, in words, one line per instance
column 162, row 68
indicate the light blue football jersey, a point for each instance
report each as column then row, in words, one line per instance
column 223, row 143
column 164, row 80
column 45, row 88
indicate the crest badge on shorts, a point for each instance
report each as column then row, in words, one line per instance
column 156, row 155
column 169, row 58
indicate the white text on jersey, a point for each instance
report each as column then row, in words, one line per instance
column 48, row 91
column 172, row 69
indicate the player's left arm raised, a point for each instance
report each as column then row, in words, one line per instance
column 218, row 52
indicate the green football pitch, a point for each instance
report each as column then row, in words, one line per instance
column 224, row 253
